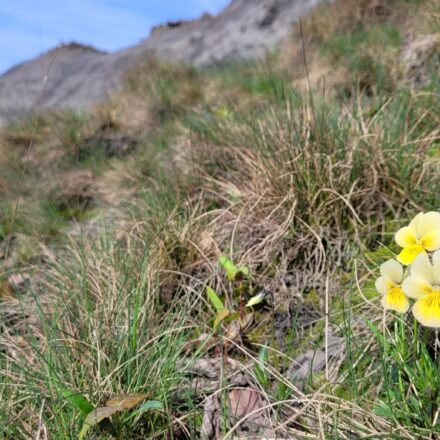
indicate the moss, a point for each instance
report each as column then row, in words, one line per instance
column 369, row 289
column 312, row 300
column 308, row 339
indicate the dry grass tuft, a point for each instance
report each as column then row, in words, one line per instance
column 170, row 89
column 346, row 16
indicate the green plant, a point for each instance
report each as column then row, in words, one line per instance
column 237, row 275
column 409, row 357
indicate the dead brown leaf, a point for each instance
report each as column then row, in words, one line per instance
column 210, row 429
column 126, row 401
column 114, row 405
column 6, row 290
column 243, row 402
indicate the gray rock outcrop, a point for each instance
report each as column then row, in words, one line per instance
column 77, row 76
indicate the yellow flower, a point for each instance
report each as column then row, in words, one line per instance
column 389, row 285
column 424, row 286
column 422, row 234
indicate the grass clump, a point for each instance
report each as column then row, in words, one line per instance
column 363, row 54
column 105, row 333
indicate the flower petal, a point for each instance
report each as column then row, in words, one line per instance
column 428, row 222
column 427, row 310
column 406, row 236
column 416, row 288
column 431, row 240
column 408, row 253
column 383, row 284
column 416, row 221
column 396, row 300
column 392, row 270
column 436, row 267
column 422, row 268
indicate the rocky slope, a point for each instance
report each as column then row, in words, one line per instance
column 76, row 76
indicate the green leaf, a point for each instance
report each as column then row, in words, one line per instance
column 151, row 404
column 244, row 271
column 222, row 261
column 79, row 401
column 260, row 371
column 263, row 355
column 147, row 406
column 229, row 267
column 383, row 410
column 379, row 255
column 233, row 272
column 380, row 337
column 216, row 301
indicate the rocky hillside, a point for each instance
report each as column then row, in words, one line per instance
column 78, row 75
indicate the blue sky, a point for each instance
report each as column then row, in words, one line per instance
column 30, row 27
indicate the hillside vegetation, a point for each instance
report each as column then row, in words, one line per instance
column 132, row 237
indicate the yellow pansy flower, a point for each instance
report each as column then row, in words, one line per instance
column 422, row 234
column 424, row 286
column 389, row 285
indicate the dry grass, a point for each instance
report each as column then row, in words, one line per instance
column 330, row 73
